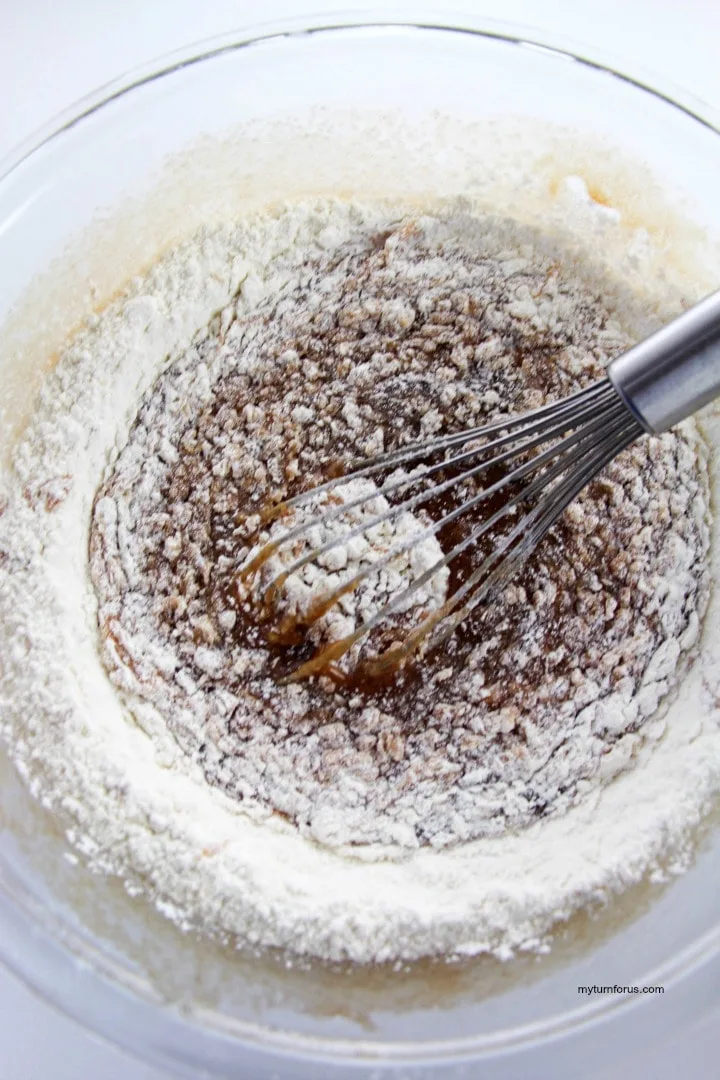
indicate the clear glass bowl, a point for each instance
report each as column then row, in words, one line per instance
column 394, row 109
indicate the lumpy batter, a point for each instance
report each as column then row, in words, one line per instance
column 380, row 340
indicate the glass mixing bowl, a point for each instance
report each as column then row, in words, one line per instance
column 413, row 110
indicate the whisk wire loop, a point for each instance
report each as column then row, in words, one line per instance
column 546, row 456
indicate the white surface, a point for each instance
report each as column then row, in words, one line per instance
column 50, row 54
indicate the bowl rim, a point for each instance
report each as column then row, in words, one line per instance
column 511, row 33
column 18, row 912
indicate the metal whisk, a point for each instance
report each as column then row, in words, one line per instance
column 543, row 459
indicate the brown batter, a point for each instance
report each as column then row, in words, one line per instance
column 391, row 339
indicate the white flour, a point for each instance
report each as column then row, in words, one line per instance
column 297, row 598
column 136, row 804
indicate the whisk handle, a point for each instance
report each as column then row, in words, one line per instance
column 674, row 372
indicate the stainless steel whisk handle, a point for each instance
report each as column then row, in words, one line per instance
column 674, row 372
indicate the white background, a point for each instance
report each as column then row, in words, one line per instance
column 54, row 51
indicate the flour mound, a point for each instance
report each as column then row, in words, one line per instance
column 398, row 546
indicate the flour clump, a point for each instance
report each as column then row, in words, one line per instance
column 386, row 556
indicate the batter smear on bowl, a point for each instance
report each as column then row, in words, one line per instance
column 383, row 339
column 466, row 803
